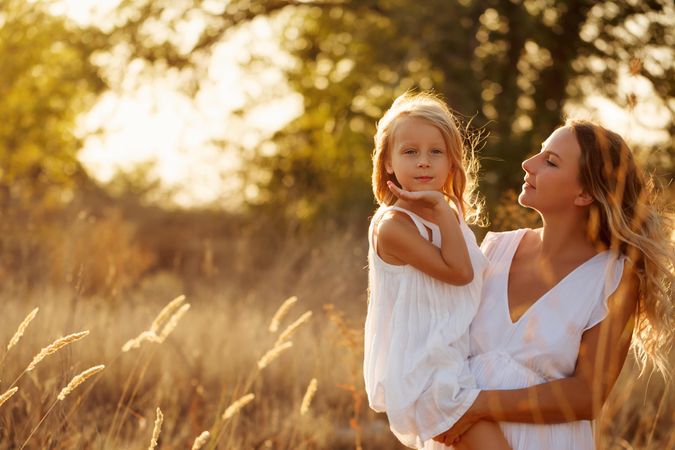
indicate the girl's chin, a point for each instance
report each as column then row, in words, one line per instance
column 423, row 188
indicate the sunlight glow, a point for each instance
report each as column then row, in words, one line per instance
column 153, row 120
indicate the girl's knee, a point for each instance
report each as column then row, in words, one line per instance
column 461, row 446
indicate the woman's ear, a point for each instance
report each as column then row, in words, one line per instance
column 583, row 199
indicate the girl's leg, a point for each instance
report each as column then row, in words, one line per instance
column 484, row 435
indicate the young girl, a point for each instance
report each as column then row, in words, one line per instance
column 425, row 277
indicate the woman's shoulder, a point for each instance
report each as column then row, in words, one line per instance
column 496, row 241
column 493, row 237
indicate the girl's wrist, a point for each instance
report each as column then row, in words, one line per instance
column 441, row 206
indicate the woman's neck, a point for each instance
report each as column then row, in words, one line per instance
column 564, row 236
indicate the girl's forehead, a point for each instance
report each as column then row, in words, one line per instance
column 413, row 127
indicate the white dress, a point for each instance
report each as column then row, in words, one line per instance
column 543, row 344
column 416, row 341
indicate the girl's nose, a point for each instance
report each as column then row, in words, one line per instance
column 423, row 162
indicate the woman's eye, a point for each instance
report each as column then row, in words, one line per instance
column 548, row 161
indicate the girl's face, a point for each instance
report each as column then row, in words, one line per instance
column 418, row 155
column 552, row 176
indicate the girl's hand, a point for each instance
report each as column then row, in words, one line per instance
column 469, row 419
column 429, row 199
column 453, row 435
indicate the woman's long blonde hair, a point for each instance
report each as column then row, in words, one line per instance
column 461, row 183
column 626, row 216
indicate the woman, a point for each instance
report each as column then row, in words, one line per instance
column 560, row 303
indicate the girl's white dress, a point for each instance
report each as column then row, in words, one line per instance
column 543, row 344
column 416, row 341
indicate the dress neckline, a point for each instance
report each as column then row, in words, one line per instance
column 417, row 216
column 456, row 208
column 542, row 297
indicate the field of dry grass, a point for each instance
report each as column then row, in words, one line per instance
column 211, row 359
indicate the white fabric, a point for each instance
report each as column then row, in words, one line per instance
column 543, row 343
column 416, row 341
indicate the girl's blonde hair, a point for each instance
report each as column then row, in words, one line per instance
column 627, row 217
column 461, row 183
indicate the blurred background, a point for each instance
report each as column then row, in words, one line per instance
column 222, row 149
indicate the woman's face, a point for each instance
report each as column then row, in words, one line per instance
column 552, row 175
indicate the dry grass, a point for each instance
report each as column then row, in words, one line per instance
column 209, row 362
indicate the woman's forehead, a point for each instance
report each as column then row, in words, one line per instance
column 563, row 142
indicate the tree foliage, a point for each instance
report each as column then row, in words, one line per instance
column 46, row 81
column 509, row 65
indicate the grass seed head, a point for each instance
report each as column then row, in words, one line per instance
column 54, row 347
column 272, row 354
column 172, row 323
column 78, row 380
column 6, row 396
column 138, row 340
column 201, row 440
column 292, row 328
column 22, row 328
column 235, row 407
column 166, row 313
column 156, row 430
column 281, row 313
column 309, row 395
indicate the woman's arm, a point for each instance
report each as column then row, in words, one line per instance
column 602, row 353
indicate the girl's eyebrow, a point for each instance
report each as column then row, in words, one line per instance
column 412, row 144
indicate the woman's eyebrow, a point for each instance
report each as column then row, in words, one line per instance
column 553, row 153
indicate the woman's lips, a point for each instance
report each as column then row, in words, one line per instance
column 527, row 185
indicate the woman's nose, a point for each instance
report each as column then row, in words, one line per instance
column 526, row 165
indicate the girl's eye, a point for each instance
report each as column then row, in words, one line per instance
column 409, row 151
column 437, row 151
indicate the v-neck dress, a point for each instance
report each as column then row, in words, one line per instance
column 417, row 342
column 543, row 344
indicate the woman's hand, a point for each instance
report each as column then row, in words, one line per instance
column 429, row 199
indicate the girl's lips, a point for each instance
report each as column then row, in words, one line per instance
column 424, row 179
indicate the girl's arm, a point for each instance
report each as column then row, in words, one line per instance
column 580, row 397
column 399, row 241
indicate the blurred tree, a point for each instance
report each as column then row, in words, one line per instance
column 511, row 65
column 46, row 81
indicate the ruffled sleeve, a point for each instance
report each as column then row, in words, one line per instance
column 612, row 279
column 496, row 243
column 489, row 244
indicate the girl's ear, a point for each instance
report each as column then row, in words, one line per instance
column 388, row 167
column 583, row 199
